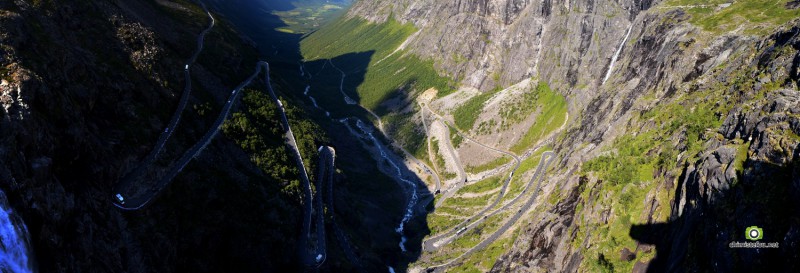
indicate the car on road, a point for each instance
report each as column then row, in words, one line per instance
column 120, row 198
column 461, row 230
column 186, row 67
column 319, row 258
column 280, row 104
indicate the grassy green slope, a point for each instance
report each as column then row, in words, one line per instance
column 387, row 70
column 465, row 115
column 553, row 113
column 753, row 16
column 552, row 109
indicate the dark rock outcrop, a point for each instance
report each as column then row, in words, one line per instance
column 86, row 88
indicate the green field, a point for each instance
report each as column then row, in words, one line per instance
column 458, row 206
column 489, row 165
column 516, row 111
column 307, row 16
column 753, row 16
column 553, row 114
column 483, row 185
column 482, row 261
column 551, row 106
column 466, row 114
column 438, row 223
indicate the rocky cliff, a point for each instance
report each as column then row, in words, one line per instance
column 486, row 44
column 683, row 129
column 87, row 86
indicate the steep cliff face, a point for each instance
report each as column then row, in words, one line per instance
column 682, row 130
column 681, row 133
column 738, row 169
column 491, row 43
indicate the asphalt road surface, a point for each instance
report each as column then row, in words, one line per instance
column 430, row 154
column 328, row 157
column 434, row 243
column 137, row 172
column 324, row 174
column 462, row 175
column 451, row 191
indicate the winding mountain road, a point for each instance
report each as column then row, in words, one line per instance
column 462, row 175
column 434, row 243
column 465, row 136
column 308, row 258
column 461, row 179
column 137, row 172
column 545, row 161
column 430, row 152
column 187, row 90
column 137, row 196
column 324, row 179
column 327, row 157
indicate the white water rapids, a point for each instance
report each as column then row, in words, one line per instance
column 14, row 241
column 368, row 132
column 347, row 98
column 313, row 101
column 414, row 196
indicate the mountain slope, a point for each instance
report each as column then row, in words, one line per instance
column 678, row 113
column 594, row 136
column 87, row 87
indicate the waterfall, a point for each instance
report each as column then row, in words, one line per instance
column 13, row 241
column 616, row 55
